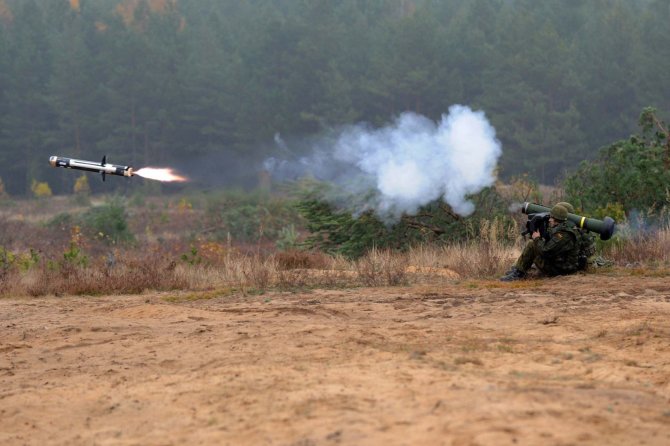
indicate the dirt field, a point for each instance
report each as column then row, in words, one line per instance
column 583, row 360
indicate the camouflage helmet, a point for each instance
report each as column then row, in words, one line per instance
column 570, row 208
column 559, row 213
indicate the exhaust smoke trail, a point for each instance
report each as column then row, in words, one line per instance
column 408, row 164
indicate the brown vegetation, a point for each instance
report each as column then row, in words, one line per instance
column 39, row 260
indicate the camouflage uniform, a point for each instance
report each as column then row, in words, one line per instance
column 555, row 257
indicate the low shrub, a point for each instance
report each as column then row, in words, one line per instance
column 108, row 223
column 129, row 277
column 41, row 189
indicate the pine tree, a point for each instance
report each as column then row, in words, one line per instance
column 28, row 117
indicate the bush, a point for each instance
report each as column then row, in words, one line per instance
column 41, row 190
column 244, row 222
column 64, row 220
column 287, row 238
column 251, row 216
column 336, row 230
column 633, row 174
column 7, row 259
column 108, row 222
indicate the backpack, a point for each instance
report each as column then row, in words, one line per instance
column 587, row 247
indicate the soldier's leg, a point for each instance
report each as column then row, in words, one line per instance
column 544, row 267
column 527, row 257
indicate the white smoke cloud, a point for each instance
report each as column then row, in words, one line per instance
column 409, row 163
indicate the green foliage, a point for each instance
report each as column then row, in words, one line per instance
column 631, row 174
column 62, row 220
column 613, row 210
column 108, row 222
column 28, row 260
column 74, row 256
column 287, row 238
column 250, row 216
column 192, row 257
column 336, row 230
column 138, row 199
column 7, row 259
column 244, row 222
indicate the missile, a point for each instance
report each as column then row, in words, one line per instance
column 90, row 166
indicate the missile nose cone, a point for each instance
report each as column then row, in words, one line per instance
column 52, row 160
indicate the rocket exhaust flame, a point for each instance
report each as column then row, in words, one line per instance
column 160, row 174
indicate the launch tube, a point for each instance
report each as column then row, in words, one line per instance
column 604, row 227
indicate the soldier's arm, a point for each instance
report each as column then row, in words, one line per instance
column 556, row 244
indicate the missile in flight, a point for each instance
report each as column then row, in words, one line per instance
column 151, row 173
column 91, row 166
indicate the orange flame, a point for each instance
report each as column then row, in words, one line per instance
column 159, row 174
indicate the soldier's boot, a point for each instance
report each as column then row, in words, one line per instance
column 513, row 274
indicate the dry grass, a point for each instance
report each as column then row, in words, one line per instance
column 127, row 278
column 209, row 265
column 471, row 260
column 651, row 248
column 485, row 255
column 382, row 267
column 138, row 270
column 296, row 259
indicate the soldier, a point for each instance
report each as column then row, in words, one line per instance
column 557, row 256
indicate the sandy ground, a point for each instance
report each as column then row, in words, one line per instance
column 583, row 360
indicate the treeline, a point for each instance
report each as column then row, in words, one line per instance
column 158, row 81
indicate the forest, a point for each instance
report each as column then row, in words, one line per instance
column 212, row 82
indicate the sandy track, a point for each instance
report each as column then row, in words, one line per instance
column 584, row 360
